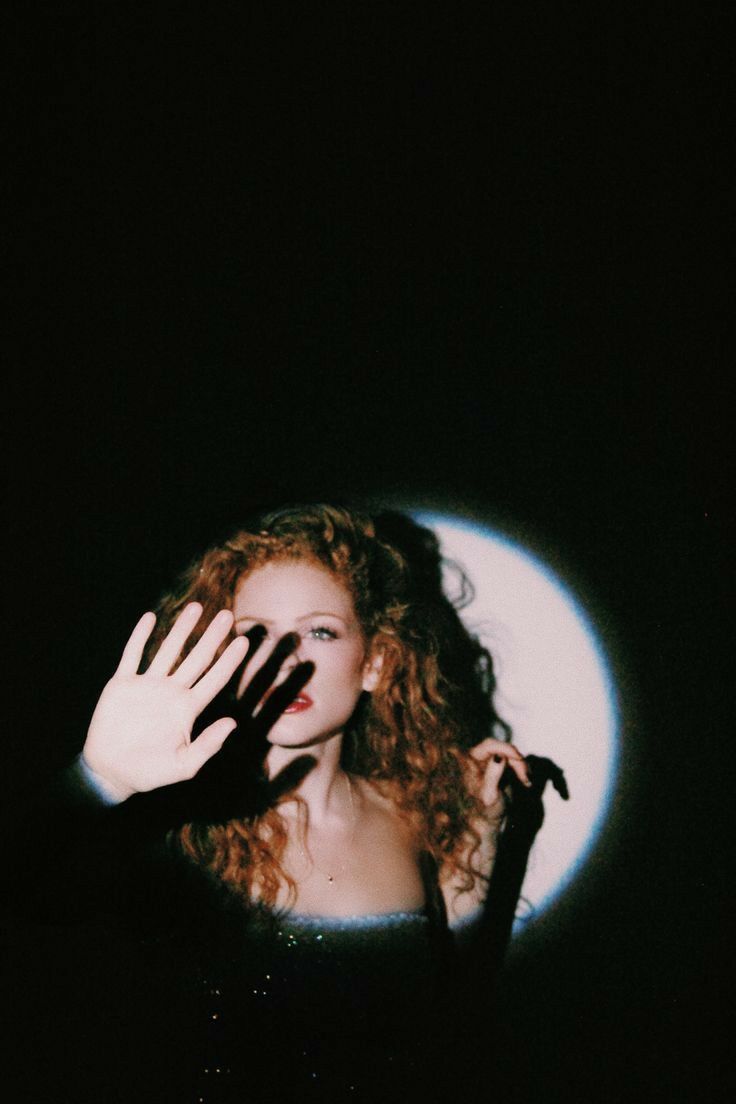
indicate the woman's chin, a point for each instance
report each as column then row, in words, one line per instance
column 284, row 736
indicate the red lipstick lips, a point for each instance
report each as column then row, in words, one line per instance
column 299, row 704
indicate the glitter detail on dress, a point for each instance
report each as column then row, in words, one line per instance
column 379, row 921
column 343, row 995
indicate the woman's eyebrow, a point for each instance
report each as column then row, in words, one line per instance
column 304, row 617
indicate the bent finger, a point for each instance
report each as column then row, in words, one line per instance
column 492, row 746
column 509, row 752
column 168, row 653
column 503, row 755
column 132, row 655
column 518, row 764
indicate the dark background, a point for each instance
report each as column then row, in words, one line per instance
column 469, row 261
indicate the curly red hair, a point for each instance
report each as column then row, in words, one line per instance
column 408, row 737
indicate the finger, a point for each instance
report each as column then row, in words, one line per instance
column 517, row 762
column 219, row 674
column 132, row 655
column 489, row 791
column 504, row 755
column 265, row 676
column 223, row 703
column 255, row 638
column 202, row 654
column 283, row 696
column 168, row 653
column 491, row 746
column 509, row 752
column 209, row 742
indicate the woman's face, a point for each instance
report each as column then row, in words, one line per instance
column 305, row 598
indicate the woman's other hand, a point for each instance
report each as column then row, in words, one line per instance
column 492, row 757
column 140, row 734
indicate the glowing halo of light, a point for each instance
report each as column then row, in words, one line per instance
column 555, row 688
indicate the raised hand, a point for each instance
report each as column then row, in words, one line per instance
column 140, row 736
column 492, row 758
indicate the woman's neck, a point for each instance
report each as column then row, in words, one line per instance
column 323, row 788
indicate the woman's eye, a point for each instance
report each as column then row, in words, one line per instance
column 321, row 632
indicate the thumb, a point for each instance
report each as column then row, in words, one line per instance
column 207, row 744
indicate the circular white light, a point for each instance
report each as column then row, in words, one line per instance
column 554, row 689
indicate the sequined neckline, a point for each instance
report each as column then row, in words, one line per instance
column 378, row 920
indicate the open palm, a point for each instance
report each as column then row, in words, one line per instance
column 140, row 736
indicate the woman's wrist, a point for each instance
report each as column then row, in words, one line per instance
column 102, row 789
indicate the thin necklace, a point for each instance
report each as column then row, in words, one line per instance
column 343, row 866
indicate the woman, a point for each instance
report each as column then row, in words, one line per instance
column 348, row 826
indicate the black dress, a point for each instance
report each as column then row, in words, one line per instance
column 329, row 1008
column 225, row 1003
